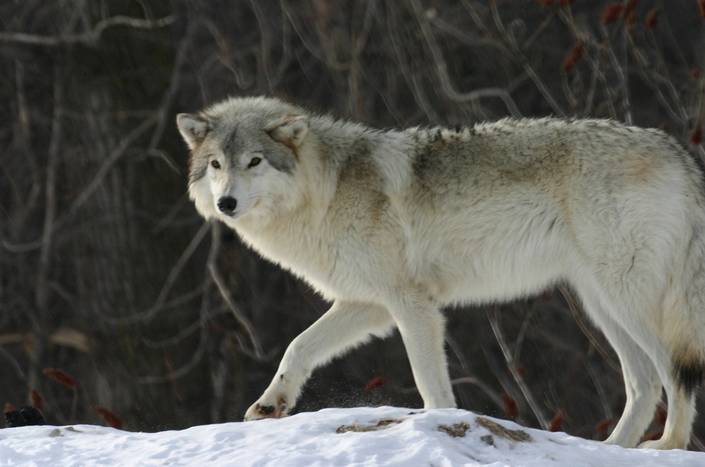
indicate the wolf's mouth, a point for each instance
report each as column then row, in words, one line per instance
column 230, row 214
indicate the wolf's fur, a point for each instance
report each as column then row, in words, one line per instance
column 393, row 225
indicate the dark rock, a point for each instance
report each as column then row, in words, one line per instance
column 24, row 416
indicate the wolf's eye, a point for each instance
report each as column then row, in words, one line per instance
column 215, row 164
column 254, row 162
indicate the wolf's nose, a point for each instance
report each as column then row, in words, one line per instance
column 227, row 204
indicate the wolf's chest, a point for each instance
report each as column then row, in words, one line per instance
column 334, row 265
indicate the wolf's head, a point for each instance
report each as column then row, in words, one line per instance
column 244, row 156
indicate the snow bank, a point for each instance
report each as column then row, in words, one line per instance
column 362, row 436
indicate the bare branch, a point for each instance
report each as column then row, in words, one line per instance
column 511, row 364
column 225, row 295
column 90, row 38
column 442, row 70
column 159, row 303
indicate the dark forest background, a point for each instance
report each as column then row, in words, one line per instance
column 116, row 297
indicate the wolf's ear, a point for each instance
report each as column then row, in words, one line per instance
column 193, row 128
column 290, row 130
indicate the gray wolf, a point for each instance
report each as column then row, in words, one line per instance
column 393, row 225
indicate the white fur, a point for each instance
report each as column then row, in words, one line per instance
column 392, row 226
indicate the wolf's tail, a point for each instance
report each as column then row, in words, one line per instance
column 684, row 313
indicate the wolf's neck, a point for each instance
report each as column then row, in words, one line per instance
column 333, row 146
column 389, row 151
column 338, row 141
column 330, row 147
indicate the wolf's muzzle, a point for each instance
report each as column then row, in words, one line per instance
column 227, row 205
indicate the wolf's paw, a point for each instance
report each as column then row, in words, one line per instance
column 267, row 409
column 662, row 444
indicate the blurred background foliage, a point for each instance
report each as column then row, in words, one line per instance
column 109, row 276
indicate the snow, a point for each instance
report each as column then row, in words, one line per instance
column 362, row 437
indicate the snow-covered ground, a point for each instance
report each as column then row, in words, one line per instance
column 361, row 436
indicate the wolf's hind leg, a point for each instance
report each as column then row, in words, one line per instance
column 642, row 385
column 343, row 326
column 682, row 332
column 642, row 388
column 422, row 329
column 681, row 412
column 683, row 329
column 637, row 309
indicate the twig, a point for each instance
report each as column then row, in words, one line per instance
column 621, row 74
column 88, row 191
column 90, row 38
column 467, row 39
column 410, row 77
column 511, row 364
column 519, row 341
column 50, row 195
column 159, row 303
column 179, row 372
column 104, row 169
column 484, row 387
column 42, row 281
column 528, row 69
column 239, row 316
column 444, row 78
column 13, row 363
column 596, row 380
column 174, row 82
column 577, row 315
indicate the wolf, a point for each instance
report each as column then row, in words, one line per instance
column 391, row 226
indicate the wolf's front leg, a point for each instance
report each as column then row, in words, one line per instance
column 422, row 329
column 343, row 326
